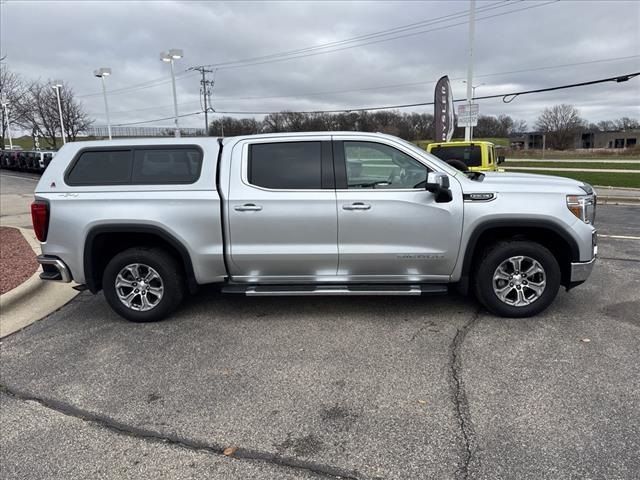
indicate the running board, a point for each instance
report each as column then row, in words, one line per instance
column 322, row 290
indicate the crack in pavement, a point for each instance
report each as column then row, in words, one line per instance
column 460, row 397
column 179, row 441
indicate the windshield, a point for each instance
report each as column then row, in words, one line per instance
column 471, row 155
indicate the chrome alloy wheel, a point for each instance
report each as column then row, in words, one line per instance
column 139, row 287
column 519, row 281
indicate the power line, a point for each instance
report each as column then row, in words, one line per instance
column 381, row 87
column 311, row 51
column 164, row 80
column 390, row 31
column 140, row 86
column 157, row 119
column 412, row 84
column 378, row 40
column 507, row 98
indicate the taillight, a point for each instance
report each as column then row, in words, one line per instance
column 40, row 219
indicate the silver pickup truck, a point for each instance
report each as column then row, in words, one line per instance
column 331, row 213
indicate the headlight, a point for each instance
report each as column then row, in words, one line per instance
column 583, row 207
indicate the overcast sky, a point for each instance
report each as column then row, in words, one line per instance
column 68, row 39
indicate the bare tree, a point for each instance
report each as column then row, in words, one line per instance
column 75, row 118
column 560, row 123
column 39, row 112
column 519, row 127
column 12, row 91
column 626, row 123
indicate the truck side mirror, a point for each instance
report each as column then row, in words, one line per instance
column 500, row 159
column 438, row 184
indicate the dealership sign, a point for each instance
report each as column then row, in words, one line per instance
column 468, row 114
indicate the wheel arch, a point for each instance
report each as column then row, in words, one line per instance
column 546, row 232
column 111, row 239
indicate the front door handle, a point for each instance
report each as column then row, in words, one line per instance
column 248, row 207
column 357, row 206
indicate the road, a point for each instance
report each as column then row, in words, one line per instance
column 16, row 195
column 575, row 160
column 311, row 388
column 565, row 169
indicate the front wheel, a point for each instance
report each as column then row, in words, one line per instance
column 143, row 284
column 517, row 279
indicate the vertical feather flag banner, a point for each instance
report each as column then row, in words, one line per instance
column 443, row 111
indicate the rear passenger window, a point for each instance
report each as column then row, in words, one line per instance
column 101, row 167
column 156, row 166
column 137, row 166
column 287, row 166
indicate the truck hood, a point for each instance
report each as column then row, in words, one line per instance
column 525, row 182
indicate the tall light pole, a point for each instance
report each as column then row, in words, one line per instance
column 5, row 109
column 101, row 73
column 472, row 18
column 57, row 85
column 170, row 57
column 473, row 95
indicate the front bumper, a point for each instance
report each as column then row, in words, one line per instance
column 580, row 271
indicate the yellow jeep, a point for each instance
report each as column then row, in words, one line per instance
column 472, row 156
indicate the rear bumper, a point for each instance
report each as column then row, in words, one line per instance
column 580, row 271
column 54, row 269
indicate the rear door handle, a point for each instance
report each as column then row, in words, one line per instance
column 248, row 207
column 357, row 206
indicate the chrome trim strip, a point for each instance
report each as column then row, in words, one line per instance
column 65, row 273
column 580, row 271
column 322, row 291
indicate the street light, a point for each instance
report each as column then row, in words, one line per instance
column 473, row 88
column 101, row 73
column 473, row 96
column 5, row 108
column 170, row 57
column 57, row 85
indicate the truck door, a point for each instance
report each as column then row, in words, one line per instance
column 281, row 211
column 389, row 227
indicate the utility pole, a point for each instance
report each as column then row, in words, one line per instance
column 205, row 90
column 472, row 18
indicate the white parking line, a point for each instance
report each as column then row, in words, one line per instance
column 21, row 178
column 623, row 237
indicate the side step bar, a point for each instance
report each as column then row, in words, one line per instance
column 323, row 290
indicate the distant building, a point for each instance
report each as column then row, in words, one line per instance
column 583, row 139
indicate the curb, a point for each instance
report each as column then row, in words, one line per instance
column 630, row 189
column 618, row 200
column 18, row 313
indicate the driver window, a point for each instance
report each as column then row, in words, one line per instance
column 374, row 165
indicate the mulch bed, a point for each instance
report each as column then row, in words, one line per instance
column 17, row 259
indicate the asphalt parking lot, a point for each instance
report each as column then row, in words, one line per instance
column 366, row 388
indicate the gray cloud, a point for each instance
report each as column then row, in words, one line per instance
column 68, row 40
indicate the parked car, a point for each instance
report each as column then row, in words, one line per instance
column 476, row 156
column 149, row 220
column 45, row 159
column 26, row 160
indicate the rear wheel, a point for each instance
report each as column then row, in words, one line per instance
column 143, row 284
column 517, row 279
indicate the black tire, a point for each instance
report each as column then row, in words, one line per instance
column 168, row 270
column 502, row 252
